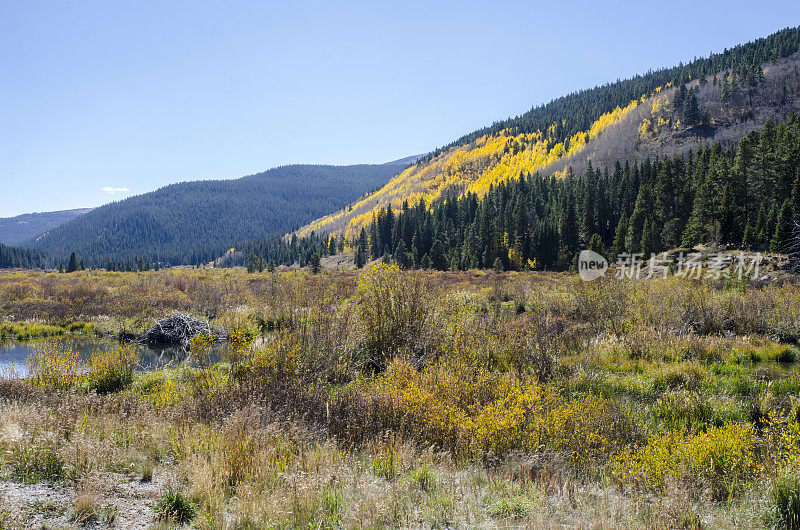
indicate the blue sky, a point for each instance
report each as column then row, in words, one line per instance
column 136, row 95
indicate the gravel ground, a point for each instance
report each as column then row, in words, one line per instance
column 50, row 505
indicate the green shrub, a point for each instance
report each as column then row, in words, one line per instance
column 514, row 508
column 175, row 507
column 394, row 313
column 786, row 355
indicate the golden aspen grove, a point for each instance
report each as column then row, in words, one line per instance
column 475, row 167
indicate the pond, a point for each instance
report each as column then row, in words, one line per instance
column 14, row 353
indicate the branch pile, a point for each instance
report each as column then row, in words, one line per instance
column 177, row 330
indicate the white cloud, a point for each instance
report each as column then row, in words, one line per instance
column 112, row 191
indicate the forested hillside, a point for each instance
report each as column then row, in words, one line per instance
column 194, row 222
column 19, row 229
column 667, row 112
column 746, row 196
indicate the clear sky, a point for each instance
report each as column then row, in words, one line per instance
column 103, row 99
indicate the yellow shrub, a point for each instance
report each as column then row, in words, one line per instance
column 201, row 347
column 513, row 421
column 241, row 334
column 495, row 413
column 783, row 441
column 434, row 415
column 719, row 459
column 581, row 427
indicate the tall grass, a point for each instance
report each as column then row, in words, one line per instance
column 111, row 369
column 54, row 364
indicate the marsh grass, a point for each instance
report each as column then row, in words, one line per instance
column 111, row 370
column 389, row 398
column 423, row 478
column 54, row 364
column 36, row 462
column 34, row 330
column 785, row 496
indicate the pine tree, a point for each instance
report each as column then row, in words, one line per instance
column 769, row 226
column 646, row 245
column 748, row 239
column 402, row 256
column 437, row 254
column 596, row 244
column 362, row 249
column 72, row 266
column 425, row 262
column 315, row 263
column 783, row 228
column 796, row 194
column 680, row 97
column 758, row 228
column 695, row 232
column 691, row 111
column 619, row 247
column 569, row 227
column 633, row 240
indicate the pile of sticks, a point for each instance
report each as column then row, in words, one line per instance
column 177, row 330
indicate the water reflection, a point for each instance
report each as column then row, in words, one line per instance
column 13, row 354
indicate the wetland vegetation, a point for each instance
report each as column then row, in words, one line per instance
column 386, row 397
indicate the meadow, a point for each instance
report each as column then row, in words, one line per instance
column 391, row 398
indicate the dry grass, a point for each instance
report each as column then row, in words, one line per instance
column 407, row 400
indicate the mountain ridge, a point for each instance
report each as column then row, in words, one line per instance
column 191, row 222
column 21, row 228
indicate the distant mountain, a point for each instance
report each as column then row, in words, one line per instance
column 407, row 161
column 193, row 222
column 19, row 229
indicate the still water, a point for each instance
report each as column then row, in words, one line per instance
column 13, row 354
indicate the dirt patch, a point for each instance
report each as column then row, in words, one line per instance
column 52, row 505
